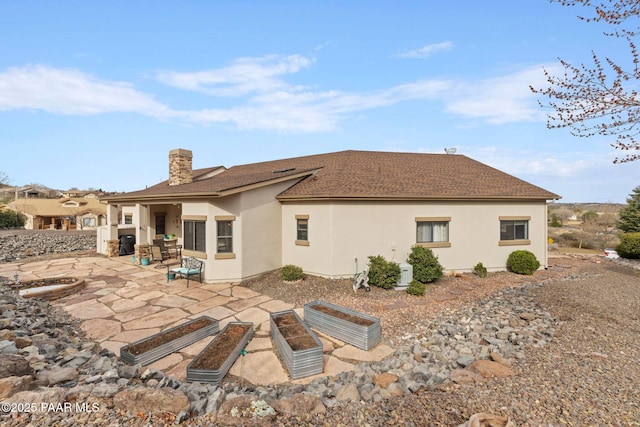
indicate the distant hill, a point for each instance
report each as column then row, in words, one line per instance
column 584, row 207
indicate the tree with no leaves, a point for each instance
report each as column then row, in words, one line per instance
column 601, row 99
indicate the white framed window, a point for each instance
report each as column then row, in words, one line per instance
column 433, row 231
column 302, row 230
column 224, row 236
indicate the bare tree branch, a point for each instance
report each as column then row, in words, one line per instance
column 600, row 99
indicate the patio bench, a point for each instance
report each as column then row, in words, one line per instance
column 189, row 267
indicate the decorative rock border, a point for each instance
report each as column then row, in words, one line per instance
column 364, row 336
column 301, row 362
column 215, row 376
column 49, row 289
column 129, row 356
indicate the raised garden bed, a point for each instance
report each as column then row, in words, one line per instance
column 299, row 347
column 215, row 360
column 352, row 327
column 159, row 345
column 50, row 288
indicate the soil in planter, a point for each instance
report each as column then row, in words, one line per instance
column 216, row 354
column 340, row 315
column 301, row 342
column 286, row 319
column 163, row 338
column 293, row 332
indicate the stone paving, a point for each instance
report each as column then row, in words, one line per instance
column 123, row 303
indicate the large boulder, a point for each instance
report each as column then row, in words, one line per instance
column 13, row 365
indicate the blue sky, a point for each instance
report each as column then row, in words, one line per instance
column 96, row 94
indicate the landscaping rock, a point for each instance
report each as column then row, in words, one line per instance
column 148, row 401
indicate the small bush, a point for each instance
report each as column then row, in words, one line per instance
column 629, row 246
column 382, row 273
column 416, row 288
column 291, row 273
column 480, row 270
column 522, row 262
column 426, row 267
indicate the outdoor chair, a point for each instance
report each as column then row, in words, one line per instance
column 189, row 267
column 163, row 249
column 157, row 255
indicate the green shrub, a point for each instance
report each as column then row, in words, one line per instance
column 555, row 221
column 382, row 273
column 426, row 268
column 416, row 288
column 291, row 273
column 522, row 262
column 480, row 270
column 11, row 219
column 629, row 246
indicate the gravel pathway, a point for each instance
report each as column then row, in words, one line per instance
column 588, row 375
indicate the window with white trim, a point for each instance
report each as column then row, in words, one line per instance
column 225, row 236
column 432, row 231
column 302, row 230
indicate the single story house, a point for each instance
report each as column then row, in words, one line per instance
column 328, row 212
column 65, row 213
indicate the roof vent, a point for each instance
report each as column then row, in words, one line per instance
column 450, row 150
column 284, row 170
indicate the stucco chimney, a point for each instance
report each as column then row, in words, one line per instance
column 180, row 166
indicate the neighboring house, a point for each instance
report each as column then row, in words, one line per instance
column 327, row 213
column 61, row 213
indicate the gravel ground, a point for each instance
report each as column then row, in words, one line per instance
column 588, row 375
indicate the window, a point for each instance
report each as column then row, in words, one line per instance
column 128, row 218
column 432, row 231
column 514, row 230
column 195, row 235
column 88, row 222
column 160, row 224
column 225, row 237
column 302, row 230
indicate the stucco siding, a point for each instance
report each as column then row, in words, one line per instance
column 341, row 232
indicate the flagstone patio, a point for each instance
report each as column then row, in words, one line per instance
column 123, row 303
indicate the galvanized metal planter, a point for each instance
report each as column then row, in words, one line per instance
column 195, row 370
column 352, row 327
column 299, row 346
column 130, row 355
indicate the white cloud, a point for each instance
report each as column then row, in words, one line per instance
column 245, row 76
column 426, row 51
column 264, row 99
column 72, row 92
column 502, row 99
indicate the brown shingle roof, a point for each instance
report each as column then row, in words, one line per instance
column 364, row 175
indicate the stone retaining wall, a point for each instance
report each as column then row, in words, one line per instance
column 19, row 244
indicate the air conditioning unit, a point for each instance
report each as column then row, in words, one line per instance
column 406, row 276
